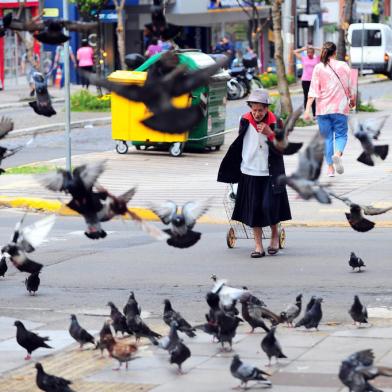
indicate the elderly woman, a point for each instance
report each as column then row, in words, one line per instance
column 255, row 165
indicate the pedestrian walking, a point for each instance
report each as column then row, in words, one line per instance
column 59, row 61
column 85, row 57
column 255, row 165
column 330, row 87
column 309, row 61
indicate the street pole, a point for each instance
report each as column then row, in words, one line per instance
column 67, row 94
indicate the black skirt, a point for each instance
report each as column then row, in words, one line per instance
column 256, row 205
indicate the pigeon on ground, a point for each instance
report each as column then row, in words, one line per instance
column 25, row 240
column 181, row 223
column 3, row 266
column 282, row 131
column 50, row 383
column 310, row 303
column 358, row 312
column 140, row 329
column 250, row 315
column 246, row 373
column 132, row 305
column 169, row 315
column 358, row 369
column 227, row 295
column 292, row 311
column 5, row 23
column 79, row 333
column 312, row 317
column 119, row 321
column 356, row 217
column 271, row 346
column 122, row 350
column 43, row 105
column 169, row 342
column 105, row 334
column 30, row 341
column 227, row 327
column 370, row 151
column 305, row 179
column 356, row 262
column 179, row 355
column 32, row 283
column 211, row 326
column 52, row 34
column 166, row 78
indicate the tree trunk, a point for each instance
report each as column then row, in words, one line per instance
column 283, row 85
column 345, row 23
column 120, row 31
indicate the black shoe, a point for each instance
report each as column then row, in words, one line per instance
column 257, row 255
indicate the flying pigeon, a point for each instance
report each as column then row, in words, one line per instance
column 166, row 79
column 32, row 283
column 312, row 317
column 292, row 311
column 358, row 312
column 79, row 333
column 356, row 262
column 356, row 217
column 181, row 223
column 52, row 33
column 305, row 179
column 42, row 105
column 25, row 240
column 271, row 346
column 358, row 369
column 373, row 126
column 50, row 383
column 119, row 321
column 169, row 315
column 3, row 266
column 370, row 151
column 246, row 373
column 30, row 341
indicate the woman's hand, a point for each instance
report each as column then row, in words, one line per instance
column 307, row 115
column 265, row 129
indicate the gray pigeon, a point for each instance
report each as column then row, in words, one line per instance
column 169, row 315
column 312, row 317
column 132, row 305
column 246, row 373
column 43, row 105
column 356, row 262
column 358, row 369
column 169, row 342
column 292, row 311
column 271, row 346
column 79, row 333
column 358, row 312
column 181, row 223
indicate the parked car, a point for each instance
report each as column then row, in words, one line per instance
column 376, row 53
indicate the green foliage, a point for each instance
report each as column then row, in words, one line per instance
column 363, row 107
column 90, row 9
column 29, row 169
column 271, row 79
column 83, row 101
column 290, row 79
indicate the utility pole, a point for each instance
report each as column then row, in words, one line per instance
column 67, row 93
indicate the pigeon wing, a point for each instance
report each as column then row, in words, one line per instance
column 165, row 211
column 290, row 122
column 278, row 109
column 53, row 181
column 373, row 126
column 311, row 160
column 370, row 210
column 90, row 172
column 193, row 210
column 33, row 235
column 245, row 370
column 128, row 195
column 6, row 126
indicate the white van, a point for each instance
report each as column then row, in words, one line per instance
column 377, row 47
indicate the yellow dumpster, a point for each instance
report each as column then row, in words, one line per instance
column 127, row 116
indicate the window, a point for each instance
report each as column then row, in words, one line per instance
column 370, row 38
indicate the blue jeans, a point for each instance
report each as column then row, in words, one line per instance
column 333, row 125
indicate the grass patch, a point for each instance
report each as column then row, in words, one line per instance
column 30, row 169
column 84, row 101
column 369, row 107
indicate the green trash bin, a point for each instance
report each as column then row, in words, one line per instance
column 210, row 132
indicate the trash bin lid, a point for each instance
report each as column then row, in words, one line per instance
column 129, row 77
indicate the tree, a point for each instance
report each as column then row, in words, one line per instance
column 347, row 13
column 119, row 4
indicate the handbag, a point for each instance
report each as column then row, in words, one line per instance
column 345, row 92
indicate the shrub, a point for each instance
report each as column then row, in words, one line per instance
column 290, row 79
column 83, row 101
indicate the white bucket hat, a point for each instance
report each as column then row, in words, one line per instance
column 259, row 95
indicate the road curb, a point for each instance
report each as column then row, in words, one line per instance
column 59, row 208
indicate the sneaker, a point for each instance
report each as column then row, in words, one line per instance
column 331, row 172
column 337, row 161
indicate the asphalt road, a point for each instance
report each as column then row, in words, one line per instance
column 81, row 275
column 52, row 145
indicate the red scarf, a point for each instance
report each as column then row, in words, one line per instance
column 269, row 119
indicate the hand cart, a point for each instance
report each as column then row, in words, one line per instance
column 238, row 230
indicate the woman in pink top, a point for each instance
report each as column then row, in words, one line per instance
column 85, row 57
column 309, row 61
column 330, row 87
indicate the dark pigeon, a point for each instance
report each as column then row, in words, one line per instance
column 169, row 315
column 356, row 262
column 5, row 23
column 169, row 342
column 250, row 316
column 30, row 341
column 132, row 305
column 105, row 335
column 119, row 321
column 179, row 355
column 246, row 373
column 271, row 346
column 312, row 317
column 140, row 329
column 310, row 303
column 52, row 34
column 292, row 311
column 227, row 327
column 79, row 333
column 211, row 326
column 3, row 266
column 358, row 312
column 32, row 283
column 49, row 383
column 43, row 105
column 358, row 369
